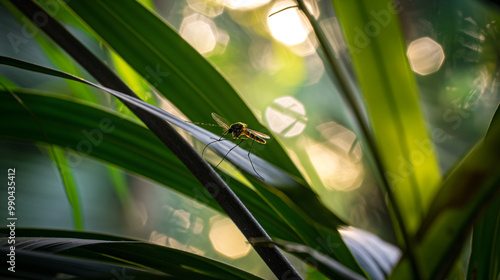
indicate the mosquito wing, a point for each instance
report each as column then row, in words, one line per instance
column 221, row 121
column 260, row 134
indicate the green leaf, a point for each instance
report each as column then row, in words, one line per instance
column 276, row 177
column 170, row 64
column 378, row 53
column 376, row 256
column 108, row 255
column 328, row 266
column 54, row 54
column 93, row 131
column 59, row 157
column 119, row 181
column 119, row 147
column 296, row 204
column 484, row 261
column 407, row 155
column 466, row 192
column 40, row 265
column 324, row 239
column 133, row 80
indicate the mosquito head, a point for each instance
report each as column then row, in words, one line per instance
column 240, row 124
column 237, row 129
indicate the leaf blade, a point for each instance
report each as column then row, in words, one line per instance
column 139, row 36
column 457, row 205
column 317, row 213
column 136, row 254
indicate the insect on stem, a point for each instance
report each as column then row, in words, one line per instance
column 239, row 131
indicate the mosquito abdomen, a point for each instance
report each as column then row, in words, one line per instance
column 256, row 138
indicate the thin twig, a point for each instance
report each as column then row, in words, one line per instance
column 279, row 11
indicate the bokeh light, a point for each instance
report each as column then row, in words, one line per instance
column 200, row 32
column 425, row 55
column 315, row 69
column 313, row 8
column 308, row 47
column 228, row 240
column 209, row 8
column 288, row 26
column 244, row 4
column 286, row 116
column 338, row 160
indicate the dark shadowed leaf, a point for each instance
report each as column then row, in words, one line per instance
column 99, row 258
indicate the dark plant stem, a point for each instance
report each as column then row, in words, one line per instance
column 224, row 196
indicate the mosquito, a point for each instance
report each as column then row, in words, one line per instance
column 239, row 131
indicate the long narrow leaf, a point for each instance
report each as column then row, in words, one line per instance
column 57, row 155
column 298, row 193
column 378, row 52
column 472, row 185
column 224, row 196
column 124, row 143
column 141, row 255
column 484, row 262
column 171, row 65
column 328, row 266
column 134, row 148
column 58, row 58
column 272, row 175
column 377, row 48
column 45, row 266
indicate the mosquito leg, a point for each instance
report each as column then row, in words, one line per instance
column 228, row 153
column 217, row 140
column 220, row 138
column 253, row 167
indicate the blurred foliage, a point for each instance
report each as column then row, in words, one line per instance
column 426, row 128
